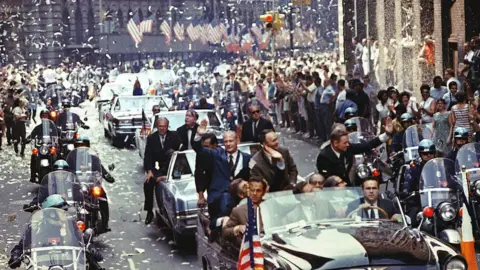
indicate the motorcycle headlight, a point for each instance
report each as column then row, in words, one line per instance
column 477, row 188
column 363, row 171
column 447, row 212
column 44, row 149
column 455, row 264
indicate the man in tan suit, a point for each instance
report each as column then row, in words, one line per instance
column 273, row 163
column 236, row 225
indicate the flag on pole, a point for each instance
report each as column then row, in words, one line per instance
column 134, row 30
column 251, row 253
column 147, row 25
column 165, row 28
column 179, row 32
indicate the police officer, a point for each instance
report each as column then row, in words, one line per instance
column 427, row 151
column 53, row 201
column 84, row 141
column 351, row 126
column 59, row 165
column 350, row 112
column 406, row 120
column 460, row 137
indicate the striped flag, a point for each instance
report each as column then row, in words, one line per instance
column 147, row 25
column 133, row 29
column 165, row 28
column 179, row 32
column 251, row 253
column 191, row 32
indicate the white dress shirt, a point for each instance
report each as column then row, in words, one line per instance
column 189, row 138
column 239, row 166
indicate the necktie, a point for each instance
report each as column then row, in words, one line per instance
column 230, row 163
column 255, row 123
column 162, row 140
column 371, row 213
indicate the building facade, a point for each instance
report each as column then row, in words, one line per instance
column 399, row 27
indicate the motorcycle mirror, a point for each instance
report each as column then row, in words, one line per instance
column 111, row 167
column 86, row 127
column 85, row 119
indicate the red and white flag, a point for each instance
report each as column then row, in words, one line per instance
column 134, row 30
column 147, row 25
column 191, row 32
column 251, row 254
column 179, row 32
column 165, row 28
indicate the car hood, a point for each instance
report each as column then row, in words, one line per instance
column 357, row 244
column 131, row 114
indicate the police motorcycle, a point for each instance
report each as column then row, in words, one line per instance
column 441, row 201
column 468, row 158
column 411, row 140
column 365, row 165
column 69, row 125
column 44, row 151
column 88, row 169
column 360, row 124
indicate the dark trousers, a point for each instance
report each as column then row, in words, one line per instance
column 20, row 133
column 103, row 205
column 32, row 114
column 148, row 191
column 33, row 168
column 9, row 131
column 324, row 116
column 311, row 116
column 220, row 207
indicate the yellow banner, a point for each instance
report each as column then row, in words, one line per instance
column 301, row 2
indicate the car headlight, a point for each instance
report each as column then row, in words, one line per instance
column 477, row 188
column 363, row 171
column 44, row 150
column 447, row 212
column 455, row 264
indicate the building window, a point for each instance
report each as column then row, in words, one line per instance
column 78, row 24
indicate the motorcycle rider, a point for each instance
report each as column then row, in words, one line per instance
column 63, row 116
column 36, row 133
column 59, row 165
column 427, row 151
column 84, row 141
column 406, row 120
column 460, row 137
column 53, row 201
column 350, row 113
column 351, row 126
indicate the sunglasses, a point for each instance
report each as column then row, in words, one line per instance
column 427, row 154
column 257, row 111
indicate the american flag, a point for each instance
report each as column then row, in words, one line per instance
column 251, row 254
column 133, row 29
column 147, row 25
column 165, row 28
column 191, row 32
column 179, row 31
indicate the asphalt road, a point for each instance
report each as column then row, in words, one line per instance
column 130, row 244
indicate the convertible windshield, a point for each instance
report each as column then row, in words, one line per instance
column 280, row 213
column 139, row 103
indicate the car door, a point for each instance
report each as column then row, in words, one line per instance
column 108, row 114
column 165, row 197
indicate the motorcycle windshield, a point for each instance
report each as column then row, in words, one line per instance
column 63, row 183
column 437, row 182
column 360, row 137
column 467, row 156
column 411, row 137
column 67, row 122
column 363, row 125
column 49, row 129
column 53, row 239
column 85, row 164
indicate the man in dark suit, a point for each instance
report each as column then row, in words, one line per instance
column 233, row 83
column 158, row 151
column 337, row 158
column 236, row 224
column 371, row 190
column 187, row 132
column 203, row 167
column 228, row 164
column 273, row 163
column 252, row 128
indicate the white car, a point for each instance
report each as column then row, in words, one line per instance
column 177, row 119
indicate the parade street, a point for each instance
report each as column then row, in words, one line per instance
column 130, row 244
